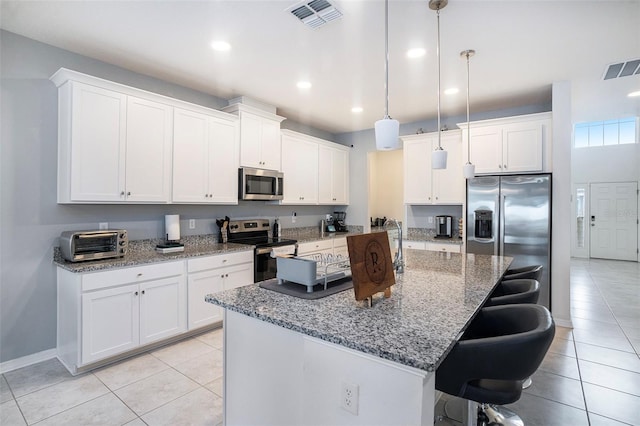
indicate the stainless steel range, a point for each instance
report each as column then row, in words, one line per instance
column 255, row 232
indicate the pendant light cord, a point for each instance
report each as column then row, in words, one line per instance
column 386, row 58
column 468, row 122
column 438, row 55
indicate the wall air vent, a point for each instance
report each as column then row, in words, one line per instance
column 622, row 69
column 314, row 13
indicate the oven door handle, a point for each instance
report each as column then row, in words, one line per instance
column 266, row 250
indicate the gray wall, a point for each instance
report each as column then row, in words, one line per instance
column 30, row 219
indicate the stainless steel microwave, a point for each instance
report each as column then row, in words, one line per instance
column 259, row 184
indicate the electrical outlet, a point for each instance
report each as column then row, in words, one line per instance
column 293, row 217
column 103, row 225
column 349, row 397
column 430, row 219
column 192, row 224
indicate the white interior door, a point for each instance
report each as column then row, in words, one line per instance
column 614, row 220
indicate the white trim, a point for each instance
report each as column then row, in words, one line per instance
column 561, row 322
column 508, row 120
column 14, row 364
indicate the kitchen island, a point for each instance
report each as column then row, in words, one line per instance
column 290, row 361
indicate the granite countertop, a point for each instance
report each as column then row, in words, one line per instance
column 143, row 252
column 431, row 303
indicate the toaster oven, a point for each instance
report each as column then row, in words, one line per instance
column 77, row 246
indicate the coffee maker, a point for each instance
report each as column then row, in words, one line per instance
column 339, row 221
column 444, row 226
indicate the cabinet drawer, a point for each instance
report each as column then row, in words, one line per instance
column 315, row 246
column 339, row 242
column 451, row 248
column 218, row 261
column 98, row 280
column 416, row 245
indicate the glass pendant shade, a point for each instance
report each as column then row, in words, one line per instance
column 439, row 159
column 387, row 134
column 469, row 170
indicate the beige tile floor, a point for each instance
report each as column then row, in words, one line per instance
column 590, row 376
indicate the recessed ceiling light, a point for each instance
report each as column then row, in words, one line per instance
column 304, row 85
column 220, row 46
column 416, row 52
column 634, row 94
column 356, row 110
column 451, row 91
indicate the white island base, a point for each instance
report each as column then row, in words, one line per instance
column 276, row 376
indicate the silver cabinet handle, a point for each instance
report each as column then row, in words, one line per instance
column 122, row 193
column 505, row 166
column 129, row 193
column 142, row 291
column 135, row 294
column 499, row 166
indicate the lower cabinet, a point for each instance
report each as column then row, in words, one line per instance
column 104, row 314
column 213, row 274
column 335, row 246
column 425, row 245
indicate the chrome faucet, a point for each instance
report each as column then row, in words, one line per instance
column 398, row 261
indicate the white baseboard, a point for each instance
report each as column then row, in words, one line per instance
column 14, row 364
column 561, row 322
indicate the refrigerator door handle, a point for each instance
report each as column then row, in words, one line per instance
column 502, row 236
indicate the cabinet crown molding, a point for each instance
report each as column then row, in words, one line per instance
column 298, row 135
column 454, row 133
column 238, row 108
column 509, row 120
column 63, row 75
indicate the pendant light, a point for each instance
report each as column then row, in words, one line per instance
column 439, row 156
column 468, row 170
column 387, row 130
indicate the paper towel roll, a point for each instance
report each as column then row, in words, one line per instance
column 172, row 226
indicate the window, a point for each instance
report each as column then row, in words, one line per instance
column 605, row 133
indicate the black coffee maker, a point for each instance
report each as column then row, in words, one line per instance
column 339, row 221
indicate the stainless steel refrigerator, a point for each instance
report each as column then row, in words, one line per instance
column 511, row 216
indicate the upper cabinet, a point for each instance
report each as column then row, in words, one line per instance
column 424, row 185
column 205, row 158
column 118, row 144
column 511, row 145
column 259, row 137
column 112, row 147
column 315, row 171
column 333, row 169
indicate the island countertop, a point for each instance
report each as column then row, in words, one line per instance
column 431, row 303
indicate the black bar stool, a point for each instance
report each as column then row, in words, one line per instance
column 501, row 348
column 533, row 272
column 512, row 292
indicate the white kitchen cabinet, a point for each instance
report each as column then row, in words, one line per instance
column 300, row 168
column 113, row 148
column 212, row 274
column 106, row 313
column 448, row 248
column 205, row 158
column 335, row 246
column 333, row 169
column 511, row 145
column 424, row 185
column 259, row 137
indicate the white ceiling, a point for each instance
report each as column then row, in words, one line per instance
column 522, row 48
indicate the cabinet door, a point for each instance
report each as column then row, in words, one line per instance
column 110, row 322
column 190, row 157
column 250, row 140
column 300, row 168
column 522, row 147
column 325, row 175
column 148, row 154
column 486, row 149
column 449, row 183
column 202, row 313
column 163, row 307
column 340, row 176
column 98, row 131
column 340, row 247
column 238, row 276
column 417, row 172
column 223, row 162
column 270, row 132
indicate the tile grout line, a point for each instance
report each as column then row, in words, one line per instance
column 15, row 400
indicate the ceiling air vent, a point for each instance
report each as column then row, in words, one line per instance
column 622, row 69
column 314, row 13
